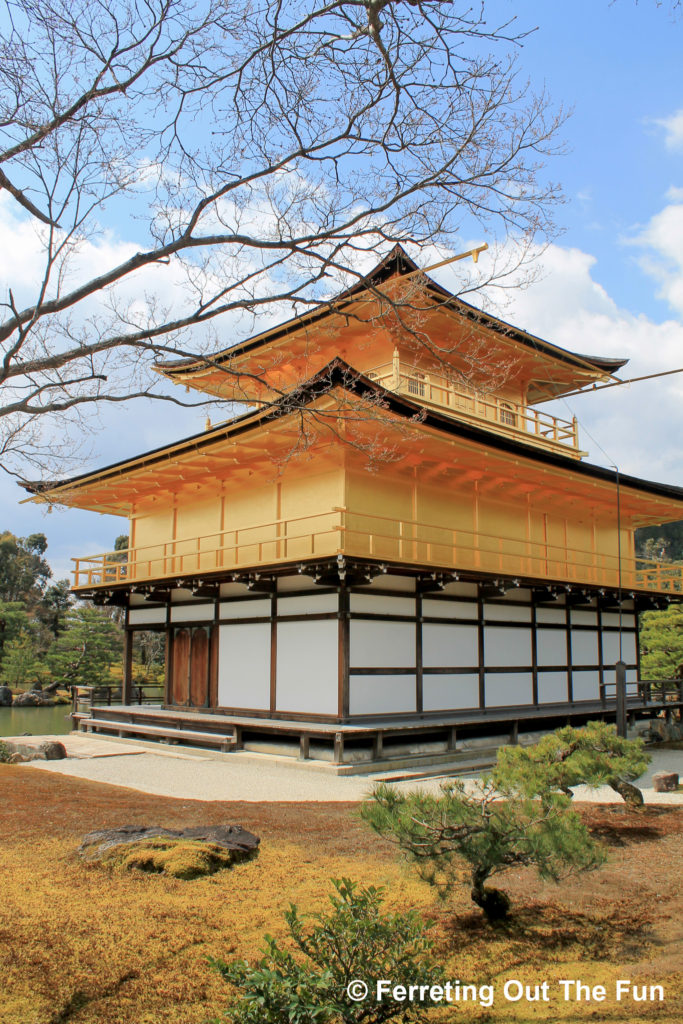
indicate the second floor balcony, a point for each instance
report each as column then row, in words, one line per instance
column 357, row 534
column 500, row 415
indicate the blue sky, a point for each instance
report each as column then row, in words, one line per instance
column 618, row 66
column 612, row 283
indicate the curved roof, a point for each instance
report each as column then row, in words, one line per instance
column 338, row 374
column 396, row 264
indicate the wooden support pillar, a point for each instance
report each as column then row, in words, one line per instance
column 377, row 746
column 452, row 738
column 621, row 698
column 304, row 747
column 127, row 679
column 339, row 748
column 514, row 733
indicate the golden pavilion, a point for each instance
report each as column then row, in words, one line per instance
column 394, row 548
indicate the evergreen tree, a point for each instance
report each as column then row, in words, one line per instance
column 54, row 606
column 491, row 829
column 23, row 570
column 20, row 666
column 14, row 620
column 82, row 655
column 661, row 643
column 594, row 755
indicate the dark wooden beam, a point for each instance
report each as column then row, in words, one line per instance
column 127, row 680
column 577, row 597
column 497, row 588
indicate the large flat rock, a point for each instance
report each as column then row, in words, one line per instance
column 184, row 853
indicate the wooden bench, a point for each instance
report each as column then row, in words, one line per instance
column 225, row 741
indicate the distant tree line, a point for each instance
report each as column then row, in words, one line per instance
column 46, row 638
column 660, row 543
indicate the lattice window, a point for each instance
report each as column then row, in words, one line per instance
column 416, row 385
column 507, row 414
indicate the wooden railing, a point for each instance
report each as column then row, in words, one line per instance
column 84, row 697
column 661, row 691
column 342, row 531
column 416, row 542
column 264, row 543
column 501, row 415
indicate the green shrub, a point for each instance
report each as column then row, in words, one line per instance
column 355, row 941
column 4, row 753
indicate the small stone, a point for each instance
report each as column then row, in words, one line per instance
column 53, row 750
column 5, row 697
column 665, row 782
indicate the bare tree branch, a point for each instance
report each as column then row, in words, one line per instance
column 252, row 158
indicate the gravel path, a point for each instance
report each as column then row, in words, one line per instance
column 262, row 778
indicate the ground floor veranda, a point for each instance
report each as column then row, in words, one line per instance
column 350, row 661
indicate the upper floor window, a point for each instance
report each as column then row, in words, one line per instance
column 507, row 414
column 416, row 384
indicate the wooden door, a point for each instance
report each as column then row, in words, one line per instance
column 199, row 668
column 193, row 666
column 181, row 641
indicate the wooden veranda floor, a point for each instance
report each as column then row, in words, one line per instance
column 373, row 739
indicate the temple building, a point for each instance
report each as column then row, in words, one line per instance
column 394, row 548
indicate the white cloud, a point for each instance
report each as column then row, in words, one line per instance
column 673, row 130
column 662, row 242
column 637, row 426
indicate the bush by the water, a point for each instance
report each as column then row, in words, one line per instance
column 354, row 942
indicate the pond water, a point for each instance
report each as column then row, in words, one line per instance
column 38, row 721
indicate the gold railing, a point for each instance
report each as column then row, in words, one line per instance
column 249, row 546
column 501, row 415
column 412, row 541
column 342, row 531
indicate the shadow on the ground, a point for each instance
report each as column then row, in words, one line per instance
column 537, row 929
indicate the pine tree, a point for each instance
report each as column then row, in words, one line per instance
column 491, row 829
column 19, row 664
column 87, row 648
column 661, row 643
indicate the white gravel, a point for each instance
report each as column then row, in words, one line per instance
column 262, row 778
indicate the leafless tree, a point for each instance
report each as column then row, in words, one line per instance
column 182, row 160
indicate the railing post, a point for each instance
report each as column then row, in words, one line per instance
column 621, row 698
column 396, row 371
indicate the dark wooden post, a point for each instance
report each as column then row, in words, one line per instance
column 127, row 681
column 621, row 698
